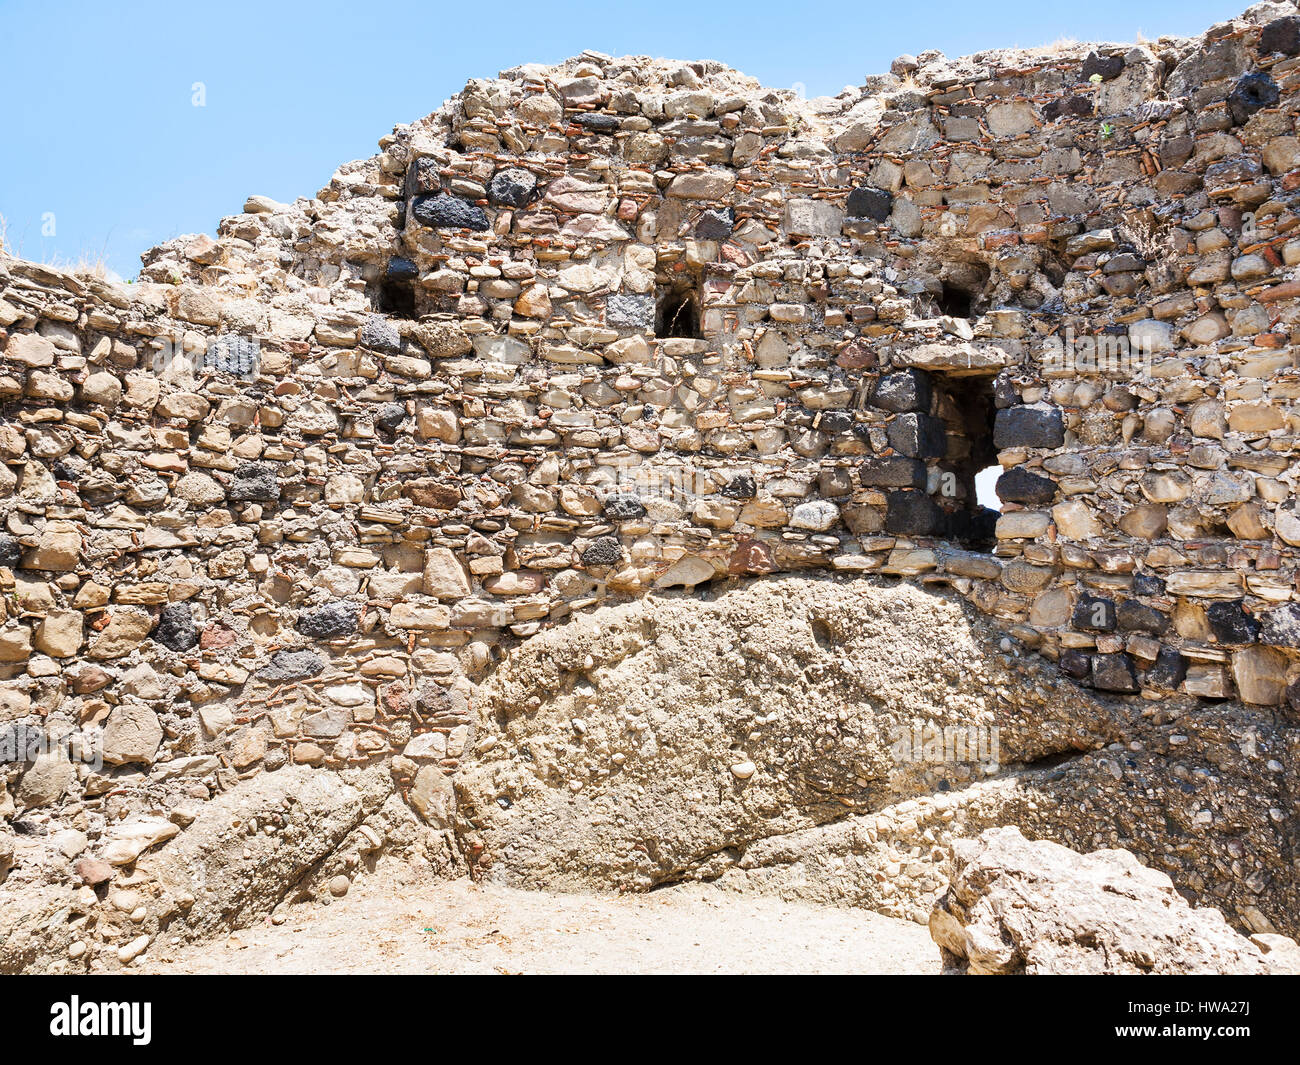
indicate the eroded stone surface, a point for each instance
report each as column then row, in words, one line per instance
column 1037, row 908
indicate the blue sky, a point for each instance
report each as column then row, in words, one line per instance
column 102, row 142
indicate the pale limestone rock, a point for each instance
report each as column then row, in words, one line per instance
column 59, row 633
column 15, row 643
column 1075, row 521
column 59, row 547
column 30, row 350
column 686, row 572
column 1037, row 908
column 126, row 629
column 444, row 577
column 1260, row 675
column 45, row 780
column 131, row 734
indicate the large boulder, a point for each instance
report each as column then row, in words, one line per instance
column 1031, row 907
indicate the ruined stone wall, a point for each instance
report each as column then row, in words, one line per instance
column 624, row 325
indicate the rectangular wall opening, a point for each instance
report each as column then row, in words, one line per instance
column 677, row 310
column 966, row 405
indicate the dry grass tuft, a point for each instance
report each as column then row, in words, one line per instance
column 87, row 264
column 1061, row 44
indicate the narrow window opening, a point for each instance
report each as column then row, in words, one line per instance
column 961, row 287
column 986, row 487
column 972, row 469
column 955, row 302
column 677, row 313
column 397, row 298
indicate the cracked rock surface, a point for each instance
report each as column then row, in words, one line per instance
column 1036, row 908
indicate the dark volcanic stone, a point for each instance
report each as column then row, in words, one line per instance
column 292, row 665
column 1075, row 664
column 1146, row 584
column 424, row 176
column 906, row 390
column 334, row 619
column 1004, row 392
column 868, row 202
column 1293, row 696
column 400, row 269
column 1253, row 92
column 254, row 482
column 11, row 552
column 598, row 123
column 623, row 508
column 892, row 471
column 390, row 416
column 1028, row 427
column 1019, row 485
column 379, row 334
column 175, row 628
column 1281, row 627
column 233, row 354
column 512, row 187
column 604, row 551
column 1094, row 613
column 741, row 486
column 1169, row 671
column 1109, row 67
column 1079, row 106
column 630, row 312
column 63, row 472
column 1281, row 35
column 449, row 212
column 835, row 421
column 971, row 526
column 1231, row 624
column 716, row 224
column 918, row 436
column 914, row 514
column 1136, row 617
column 1113, row 673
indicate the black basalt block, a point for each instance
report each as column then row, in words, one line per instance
column 1113, row 673
column 1020, row 485
column 1231, row 624
column 906, row 390
column 914, row 514
column 624, row 508
column 444, row 211
column 175, row 629
column 1029, row 427
column 254, row 482
column 868, row 202
column 604, row 551
column 334, row 619
column 1253, row 92
column 892, row 471
column 918, row 436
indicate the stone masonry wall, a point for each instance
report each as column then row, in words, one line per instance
column 624, row 325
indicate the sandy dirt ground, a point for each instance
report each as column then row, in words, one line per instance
column 386, row 926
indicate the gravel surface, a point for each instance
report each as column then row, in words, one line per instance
column 386, row 926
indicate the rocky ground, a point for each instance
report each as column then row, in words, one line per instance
column 388, row 924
